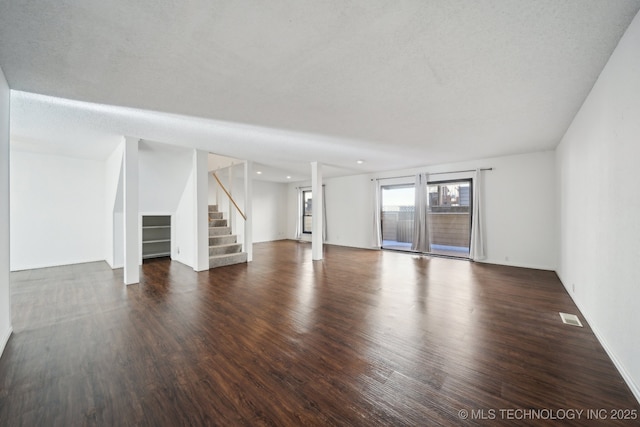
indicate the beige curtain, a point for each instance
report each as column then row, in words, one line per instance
column 477, row 250
column 421, row 239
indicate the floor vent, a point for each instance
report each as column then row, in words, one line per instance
column 570, row 319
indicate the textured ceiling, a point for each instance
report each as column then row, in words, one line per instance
column 397, row 83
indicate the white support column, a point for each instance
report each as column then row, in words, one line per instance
column 231, row 207
column 201, row 210
column 5, row 287
column 248, row 209
column 316, row 211
column 131, row 226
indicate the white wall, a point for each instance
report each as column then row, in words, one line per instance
column 163, row 172
column 519, row 196
column 599, row 204
column 56, row 200
column 190, row 231
column 5, row 291
column 114, row 231
column 269, row 211
column 349, row 210
column 166, row 187
column 520, row 212
column 183, row 227
column 57, row 210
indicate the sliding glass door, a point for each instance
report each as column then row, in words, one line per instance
column 449, row 217
column 398, row 204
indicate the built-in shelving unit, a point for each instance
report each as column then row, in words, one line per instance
column 156, row 236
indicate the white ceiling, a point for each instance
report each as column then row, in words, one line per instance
column 395, row 83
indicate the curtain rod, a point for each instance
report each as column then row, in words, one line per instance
column 434, row 173
column 306, row 186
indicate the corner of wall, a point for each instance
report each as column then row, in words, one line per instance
column 184, row 226
column 5, row 339
column 113, row 208
column 596, row 162
column 5, row 288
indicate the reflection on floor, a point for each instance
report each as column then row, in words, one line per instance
column 455, row 251
column 360, row 338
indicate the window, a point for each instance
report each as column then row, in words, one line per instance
column 449, row 196
column 306, row 211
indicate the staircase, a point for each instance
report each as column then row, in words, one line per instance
column 224, row 248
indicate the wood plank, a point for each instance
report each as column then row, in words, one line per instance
column 359, row 338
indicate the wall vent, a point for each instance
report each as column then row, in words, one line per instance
column 570, row 319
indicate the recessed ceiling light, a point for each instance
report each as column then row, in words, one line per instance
column 360, row 162
column 259, row 172
column 288, row 176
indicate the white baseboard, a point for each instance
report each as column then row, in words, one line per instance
column 603, row 342
column 47, row 265
column 625, row 375
column 5, row 339
column 517, row 264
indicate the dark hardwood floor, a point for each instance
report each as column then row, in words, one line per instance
column 361, row 338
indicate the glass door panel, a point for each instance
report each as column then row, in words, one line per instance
column 398, row 205
column 450, row 217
